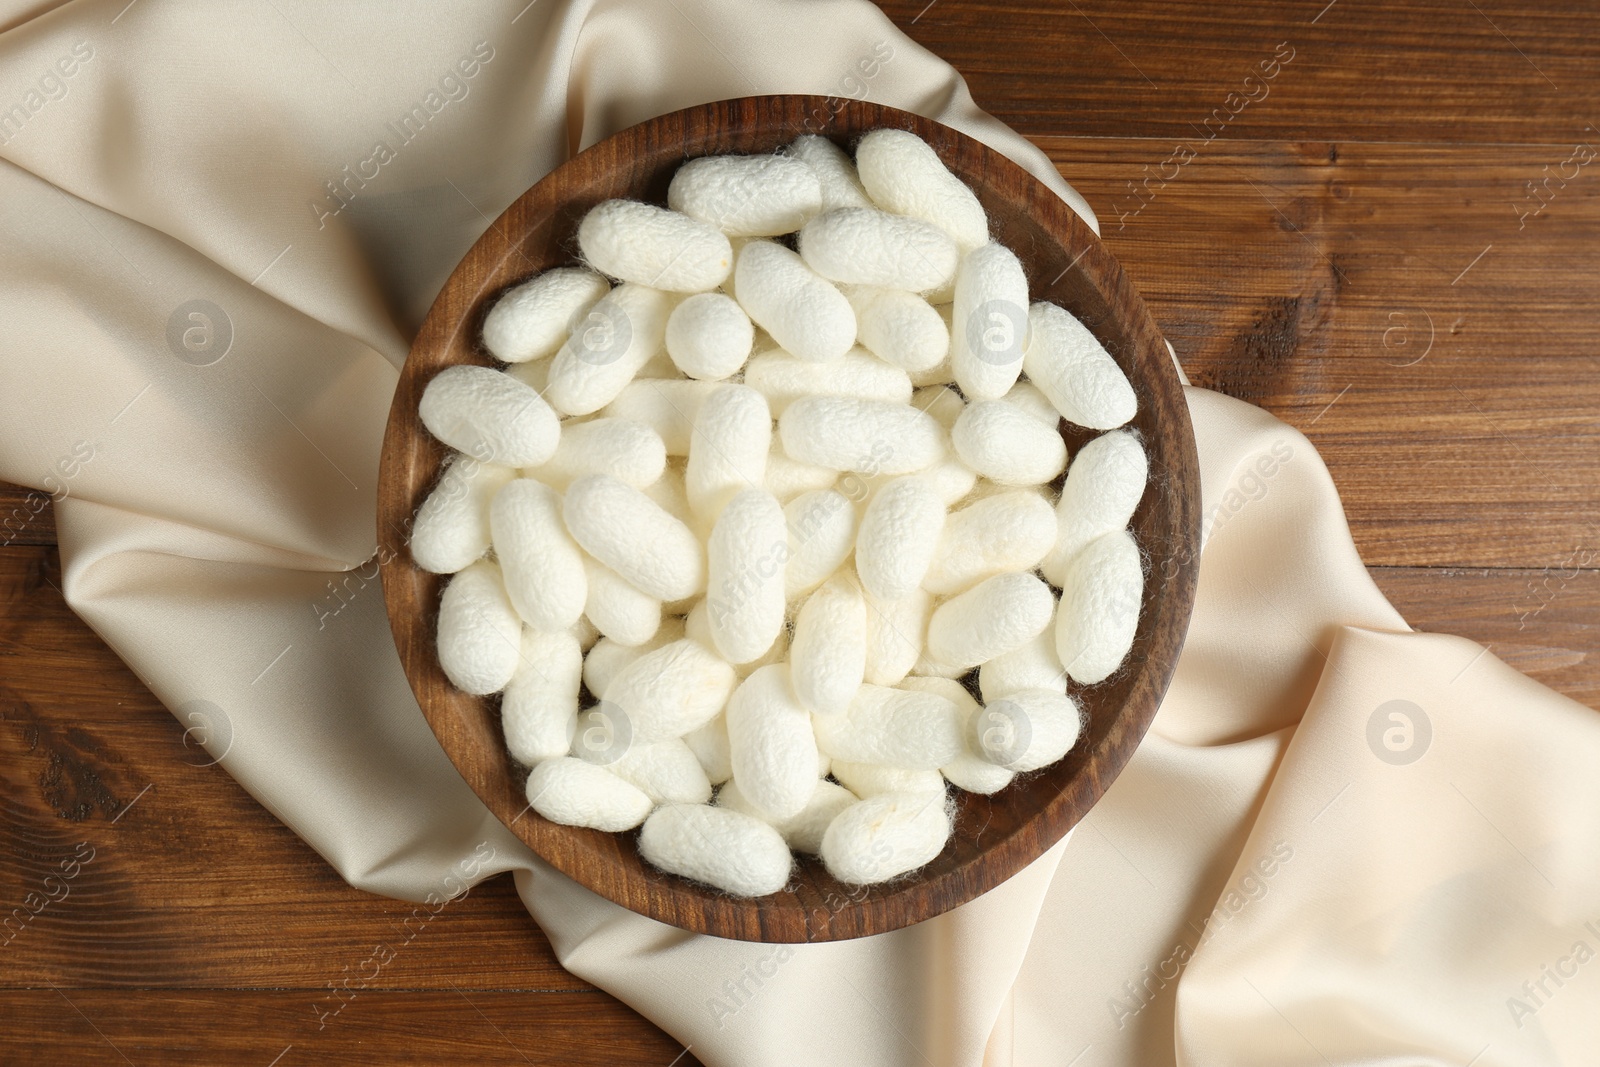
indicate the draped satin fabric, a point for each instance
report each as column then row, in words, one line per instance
column 1342, row 842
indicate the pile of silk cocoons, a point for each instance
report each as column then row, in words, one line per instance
column 761, row 531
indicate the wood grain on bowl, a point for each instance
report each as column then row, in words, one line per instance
column 995, row 837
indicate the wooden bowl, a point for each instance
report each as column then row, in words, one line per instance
column 995, row 837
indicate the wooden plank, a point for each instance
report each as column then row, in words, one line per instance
column 1509, row 71
column 198, row 884
column 1389, row 301
column 1542, row 622
column 26, row 516
column 1393, row 301
column 270, row 1028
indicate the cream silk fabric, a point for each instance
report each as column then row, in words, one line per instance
column 1258, row 888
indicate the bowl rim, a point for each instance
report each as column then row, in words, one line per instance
column 674, row 900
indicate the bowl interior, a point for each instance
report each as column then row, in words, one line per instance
column 994, row 836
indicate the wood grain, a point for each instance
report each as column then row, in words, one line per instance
column 1220, row 270
column 199, row 886
column 1388, row 301
column 1421, row 70
column 1542, row 622
column 27, row 516
column 994, row 837
column 269, row 1028
column 192, row 881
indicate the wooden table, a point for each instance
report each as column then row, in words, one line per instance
column 1390, row 243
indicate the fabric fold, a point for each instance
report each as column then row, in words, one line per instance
column 1442, row 812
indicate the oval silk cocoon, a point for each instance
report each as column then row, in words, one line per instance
column 1032, row 665
column 902, row 173
column 989, row 322
column 771, row 744
column 629, row 451
column 709, row 336
column 451, row 530
column 1028, row 729
column 914, row 730
column 802, row 310
column 783, row 378
column 896, row 632
column 710, row 746
column 990, row 619
column 630, row 533
column 747, row 196
column 1009, row 531
column 542, row 567
column 974, row 774
column 568, row 791
column 871, row 779
column 530, row 320
column 729, row 850
column 899, row 327
column 885, row 836
column 665, row 771
column 539, row 710
column 667, row 692
column 828, row 656
column 490, row 416
column 840, row 186
column 616, row 338
column 1075, row 371
column 822, row 534
column 788, row 478
column 728, row 454
column 606, row 657
column 865, row 436
column 654, row 246
column 899, row 533
column 1103, row 488
column 747, row 549
column 865, row 246
column 1007, row 445
column 479, row 632
column 618, row 609
column 1100, row 596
